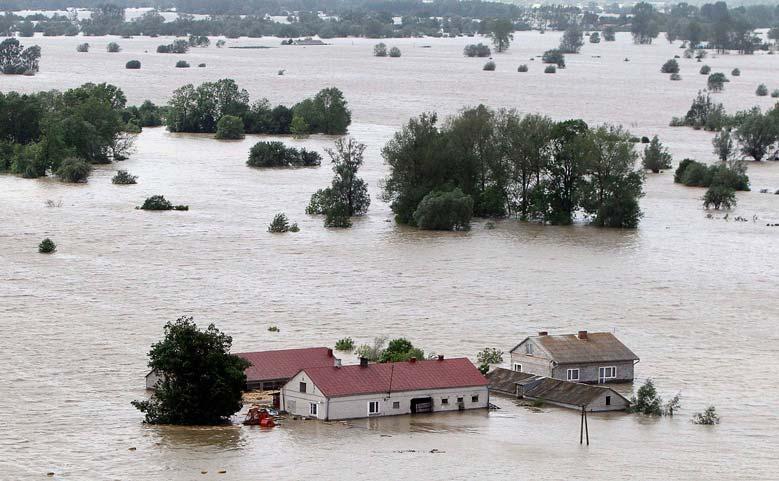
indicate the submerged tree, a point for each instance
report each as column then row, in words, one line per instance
column 708, row 417
column 656, row 157
column 200, row 381
column 501, row 32
column 644, row 25
column 573, row 39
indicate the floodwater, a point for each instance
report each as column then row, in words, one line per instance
column 694, row 297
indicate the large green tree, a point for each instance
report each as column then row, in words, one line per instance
column 200, row 381
column 644, row 25
column 501, row 32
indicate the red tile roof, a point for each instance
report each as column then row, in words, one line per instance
column 395, row 377
column 284, row 363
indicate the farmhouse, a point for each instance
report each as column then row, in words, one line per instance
column 566, row 394
column 388, row 389
column 597, row 357
column 271, row 369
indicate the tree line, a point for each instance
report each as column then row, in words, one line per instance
column 491, row 163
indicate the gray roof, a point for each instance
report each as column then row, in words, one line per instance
column 545, row 388
column 597, row 347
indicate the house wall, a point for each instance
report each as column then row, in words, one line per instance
column 350, row 407
column 618, row 403
column 533, row 364
column 152, row 378
column 588, row 373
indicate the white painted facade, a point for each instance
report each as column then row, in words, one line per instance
column 313, row 403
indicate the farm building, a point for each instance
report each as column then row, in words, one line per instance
column 597, row 357
column 368, row 390
column 271, row 369
column 566, row 394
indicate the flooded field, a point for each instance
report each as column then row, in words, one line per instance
column 695, row 298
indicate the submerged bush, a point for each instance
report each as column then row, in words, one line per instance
column 554, row 56
column 656, row 157
column 123, row 177
column 47, row 246
column 380, row 50
column 229, row 127
column 735, row 72
column 182, row 64
column 719, row 196
column 133, row 64
column 158, row 202
column 761, row 91
column 716, row 81
column 671, row 66
column 280, row 223
column 478, row 50
column 550, row 69
column 444, row 211
column 775, row 93
column 522, row 68
column 394, row 52
column 346, row 344
column 82, row 47
column 276, row 154
column 113, row 47
column 490, row 66
column 696, row 174
column 705, row 70
column 74, row 170
column 676, row 76
column 707, row 417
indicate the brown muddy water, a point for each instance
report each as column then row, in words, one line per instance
column 696, row 298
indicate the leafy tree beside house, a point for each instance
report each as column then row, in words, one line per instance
column 200, row 381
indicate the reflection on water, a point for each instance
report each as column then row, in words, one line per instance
column 694, row 297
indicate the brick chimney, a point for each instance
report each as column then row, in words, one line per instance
column 363, row 362
column 543, row 333
column 412, row 360
column 582, row 335
column 337, row 362
column 329, row 353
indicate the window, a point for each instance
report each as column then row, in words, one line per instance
column 373, row 407
column 459, row 400
column 573, row 375
column 475, row 398
column 608, row 400
column 607, row 372
column 445, row 400
column 517, row 367
column 396, row 405
column 529, row 348
column 313, row 409
column 302, row 387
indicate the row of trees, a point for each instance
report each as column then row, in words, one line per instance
column 503, row 163
column 199, row 109
column 87, row 124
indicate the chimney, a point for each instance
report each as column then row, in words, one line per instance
column 337, row 362
column 543, row 333
column 582, row 335
column 412, row 360
column 363, row 362
column 329, row 353
column 440, row 357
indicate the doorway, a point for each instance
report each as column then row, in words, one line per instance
column 421, row 405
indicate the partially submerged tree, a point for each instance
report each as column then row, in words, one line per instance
column 716, row 82
column 671, row 66
column 47, row 246
column 501, row 32
column 380, row 50
column 719, row 196
column 573, row 39
column 74, row 170
column 280, row 224
column 488, row 356
column 200, row 381
column 656, row 157
column 707, row 417
column 450, row 210
column 123, row 177
column 229, row 127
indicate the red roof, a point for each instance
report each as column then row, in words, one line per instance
column 284, row 363
column 404, row 376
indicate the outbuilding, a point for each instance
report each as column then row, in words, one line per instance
column 387, row 389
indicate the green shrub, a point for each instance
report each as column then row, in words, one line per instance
column 229, row 127
column 697, row 174
column 676, row 76
column 201, row 65
column 380, row 50
column 656, row 157
column 761, row 91
column 444, row 211
column 671, row 66
column 719, row 196
column 647, row 401
column 522, row 68
column 123, row 177
column 133, row 64
column 716, row 81
column 346, row 344
column 113, row 47
column 477, row 50
column 178, row 46
column 47, row 246
column 280, row 223
column 158, row 202
column 74, row 170
column 554, row 56
column 595, row 37
column 550, row 69
column 707, row 417
column 182, row 64
column 275, row 154
column 394, row 52
column 681, row 169
column 705, row 70
column 735, row 72
column 775, row 93
column 273, row 328
column 490, row 66
column 82, row 47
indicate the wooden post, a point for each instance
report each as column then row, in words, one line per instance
column 586, row 428
column 581, row 427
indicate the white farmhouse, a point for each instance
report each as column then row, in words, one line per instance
column 367, row 390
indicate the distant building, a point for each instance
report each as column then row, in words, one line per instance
column 597, row 357
column 271, row 369
column 388, row 389
column 566, row 394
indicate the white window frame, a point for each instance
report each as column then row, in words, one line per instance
column 602, row 373
column 396, row 405
column 569, row 377
column 378, row 408
column 529, row 348
column 313, row 409
column 515, row 366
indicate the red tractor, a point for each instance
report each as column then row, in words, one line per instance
column 257, row 416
